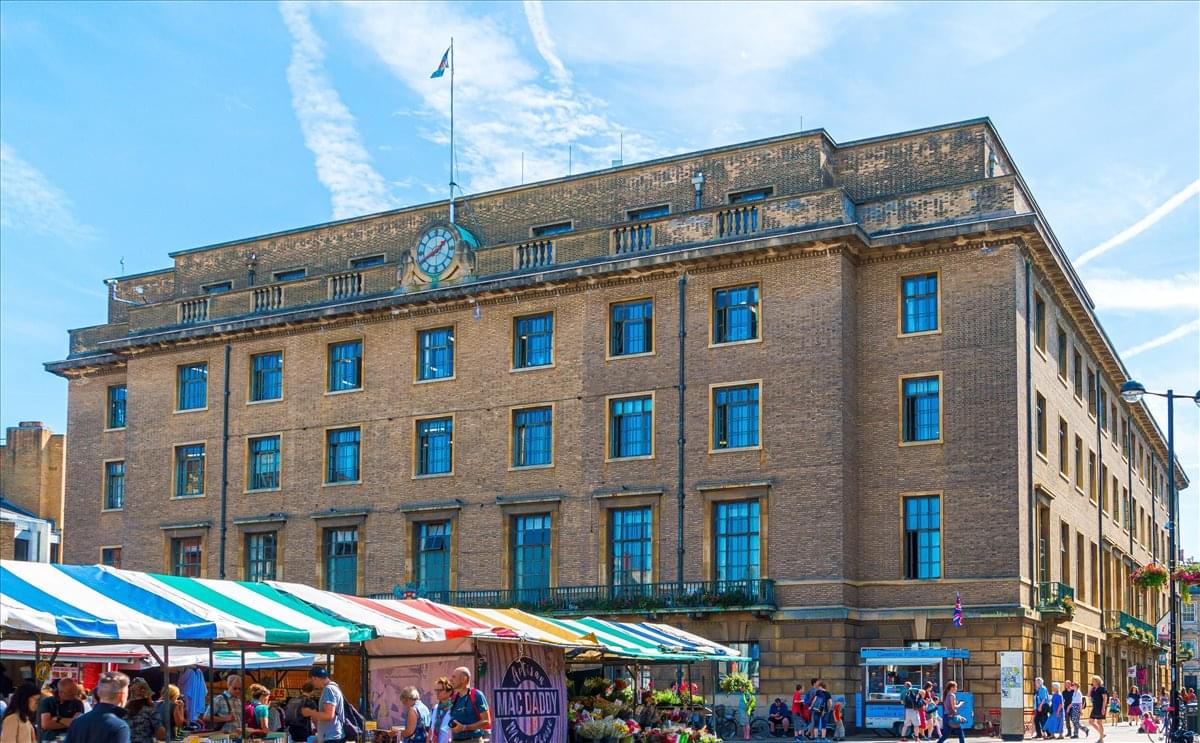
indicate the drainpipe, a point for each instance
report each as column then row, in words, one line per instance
column 224, row 463
column 1130, row 516
column 1100, row 485
column 1153, row 507
column 681, row 439
column 1033, row 517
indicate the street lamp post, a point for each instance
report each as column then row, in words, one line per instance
column 1132, row 392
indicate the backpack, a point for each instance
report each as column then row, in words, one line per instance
column 298, row 727
column 910, row 699
column 819, row 701
column 352, row 722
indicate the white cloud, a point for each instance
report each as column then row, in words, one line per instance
column 1180, row 332
column 28, row 200
column 1143, row 224
column 1122, row 292
column 502, row 109
column 330, row 130
column 536, row 18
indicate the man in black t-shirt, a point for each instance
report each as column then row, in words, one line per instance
column 56, row 713
column 1099, row 702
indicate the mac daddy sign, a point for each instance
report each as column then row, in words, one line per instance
column 527, row 694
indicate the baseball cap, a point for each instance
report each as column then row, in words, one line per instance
column 318, row 672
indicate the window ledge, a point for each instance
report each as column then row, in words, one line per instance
column 725, row 344
column 434, row 380
column 188, row 497
column 635, row 458
column 434, row 476
column 112, row 510
column 340, row 483
column 921, row 443
column 330, row 393
column 190, row 410
column 264, row 402
column 524, row 467
column 728, row 449
column 623, row 356
column 262, row 490
column 919, row 333
column 110, row 430
column 1043, row 456
column 519, row 369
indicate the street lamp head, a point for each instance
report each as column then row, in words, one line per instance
column 1196, row 398
column 1132, row 391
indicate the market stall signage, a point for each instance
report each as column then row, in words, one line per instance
column 528, row 705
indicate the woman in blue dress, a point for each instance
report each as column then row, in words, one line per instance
column 1054, row 723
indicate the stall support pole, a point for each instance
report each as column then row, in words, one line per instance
column 37, row 659
column 363, row 678
column 208, row 679
column 241, row 711
column 163, row 692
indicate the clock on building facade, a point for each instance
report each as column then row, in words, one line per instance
column 444, row 251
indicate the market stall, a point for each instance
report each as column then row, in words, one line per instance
column 885, row 670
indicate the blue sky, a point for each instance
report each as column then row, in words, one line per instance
column 134, row 129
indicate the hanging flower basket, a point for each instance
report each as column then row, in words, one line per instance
column 1188, row 576
column 1150, row 576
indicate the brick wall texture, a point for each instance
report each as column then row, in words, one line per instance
column 830, row 468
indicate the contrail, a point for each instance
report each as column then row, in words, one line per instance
column 1162, row 340
column 1141, row 225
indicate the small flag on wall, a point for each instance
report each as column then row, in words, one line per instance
column 957, row 609
column 443, row 65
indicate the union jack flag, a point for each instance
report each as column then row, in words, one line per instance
column 957, row 609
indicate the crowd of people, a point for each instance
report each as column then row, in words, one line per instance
column 124, row 710
column 1058, row 709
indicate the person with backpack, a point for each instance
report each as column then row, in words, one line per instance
column 417, row 717
column 910, row 698
column 470, row 717
column 298, row 726
column 820, row 709
column 330, row 714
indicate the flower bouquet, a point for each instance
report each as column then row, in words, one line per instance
column 1189, row 576
column 1150, row 576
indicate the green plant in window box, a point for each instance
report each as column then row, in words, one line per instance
column 1067, row 604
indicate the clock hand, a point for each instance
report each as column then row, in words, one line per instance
column 436, row 250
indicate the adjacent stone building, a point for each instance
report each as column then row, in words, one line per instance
column 794, row 394
column 31, row 492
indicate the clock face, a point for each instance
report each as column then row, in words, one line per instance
column 436, row 250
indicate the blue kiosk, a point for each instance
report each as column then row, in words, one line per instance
column 879, row 707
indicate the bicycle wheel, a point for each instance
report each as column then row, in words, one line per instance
column 760, row 728
column 726, row 729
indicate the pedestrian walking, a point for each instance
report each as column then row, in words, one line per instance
column 1099, row 700
column 952, row 720
column 1054, row 721
column 1041, row 707
column 910, row 698
column 1133, row 706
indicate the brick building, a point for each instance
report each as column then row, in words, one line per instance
column 889, row 384
column 31, row 492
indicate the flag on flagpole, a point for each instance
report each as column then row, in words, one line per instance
column 443, row 65
column 957, row 609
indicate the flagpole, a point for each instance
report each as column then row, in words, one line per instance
column 451, row 130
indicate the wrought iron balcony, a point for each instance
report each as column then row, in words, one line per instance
column 1127, row 625
column 644, row 598
column 1056, row 598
